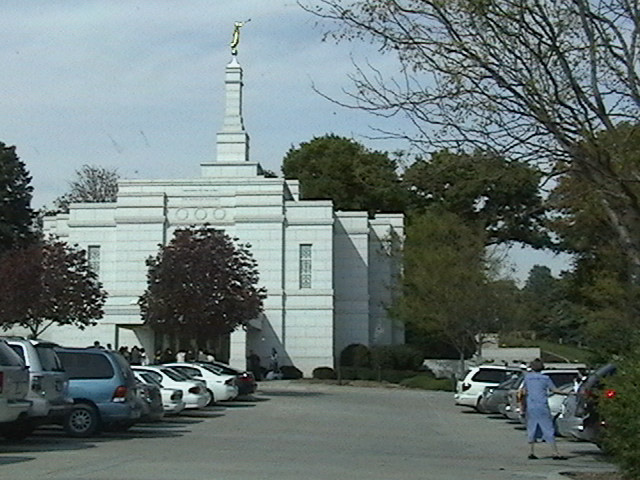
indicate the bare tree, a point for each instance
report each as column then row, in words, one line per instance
column 533, row 80
column 91, row 184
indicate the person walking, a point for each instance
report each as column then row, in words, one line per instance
column 534, row 396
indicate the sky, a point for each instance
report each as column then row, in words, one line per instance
column 138, row 86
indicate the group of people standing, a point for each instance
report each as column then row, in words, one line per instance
column 135, row 356
column 167, row 355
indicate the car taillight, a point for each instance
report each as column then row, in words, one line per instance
column 194, row 390
column 120, row 394
column 36, row 384
column 610, row 393
column 466, row 386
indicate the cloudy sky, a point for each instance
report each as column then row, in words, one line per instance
column 138, row 85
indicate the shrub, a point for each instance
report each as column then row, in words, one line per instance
column 396, row 357
column 355, row 355
column 428, row 382
column 289, row 372
column 622, row 415
column 324, row 373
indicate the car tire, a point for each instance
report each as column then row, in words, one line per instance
column 212, row 401
column 82, row 421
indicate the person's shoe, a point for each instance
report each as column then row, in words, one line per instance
column 532, row 457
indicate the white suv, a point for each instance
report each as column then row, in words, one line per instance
column 14, row 386
column 469, row 390
column 48, row 382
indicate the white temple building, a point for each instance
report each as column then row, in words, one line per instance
column 328, row 274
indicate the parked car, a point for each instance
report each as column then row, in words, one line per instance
column 470, row 389
column 221, row 386
column 194, row 392
column 567, row 424
column 103, row 389
column 48, row 383
column 495, row 398
column 586, row 408
column 245, row 380
column 559, row 377
column 172, row 403
column 150, row 400
column 14, row 387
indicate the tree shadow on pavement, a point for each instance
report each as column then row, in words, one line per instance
column 9, row 460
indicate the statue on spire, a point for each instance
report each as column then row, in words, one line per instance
column 235, row 39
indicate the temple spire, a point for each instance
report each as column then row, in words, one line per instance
column 232, row 143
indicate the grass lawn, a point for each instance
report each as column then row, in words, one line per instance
column 552, row 352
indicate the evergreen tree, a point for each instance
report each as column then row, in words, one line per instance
column 16, row 215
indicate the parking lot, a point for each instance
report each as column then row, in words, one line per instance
column 293, row 430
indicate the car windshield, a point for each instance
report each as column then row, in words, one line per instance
column 49, row 360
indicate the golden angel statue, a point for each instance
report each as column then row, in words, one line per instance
column 235, row 39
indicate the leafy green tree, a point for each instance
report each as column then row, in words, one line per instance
column 48, row 283
column 342, row 170
column 16, row 215
column 202, row 285
column 501, row 197
column 445, row 288
column 531, row 80
column 92, row 184
column 550, row 311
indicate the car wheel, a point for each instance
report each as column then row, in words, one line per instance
column 212, row 400
column 82, row 421
column 478, row 405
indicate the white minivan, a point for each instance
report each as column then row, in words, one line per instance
column 469, row 390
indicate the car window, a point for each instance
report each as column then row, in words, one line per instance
column 8, row 357
column 49, row 360
column 559, row 379
column 124, row 366
column 490, row 375
column 80, row 365
column 218, row 369
column 188, row 371
column 151, row 377
column 19, row 351
column 174, row 375
column 213, row 369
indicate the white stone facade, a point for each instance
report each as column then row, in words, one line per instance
column 349, row 261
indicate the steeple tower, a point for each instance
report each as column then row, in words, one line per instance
column 233, row 141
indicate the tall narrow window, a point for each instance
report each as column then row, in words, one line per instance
column 93, row 254
column 305, row 265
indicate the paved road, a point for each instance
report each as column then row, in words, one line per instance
column 298, row 431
